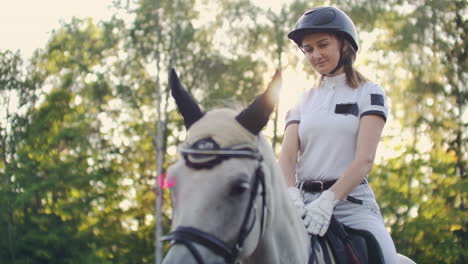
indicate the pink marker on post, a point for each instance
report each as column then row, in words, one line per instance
column 164, row 181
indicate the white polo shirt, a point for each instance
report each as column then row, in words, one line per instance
column 328, row 119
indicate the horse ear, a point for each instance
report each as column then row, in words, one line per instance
column 256, row 115
column 187, row 106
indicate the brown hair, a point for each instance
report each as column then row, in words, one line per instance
column 348, row 55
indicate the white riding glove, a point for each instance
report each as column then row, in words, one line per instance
column 296, row 197
column 319, row 212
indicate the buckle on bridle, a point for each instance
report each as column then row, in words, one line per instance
column 321, row 184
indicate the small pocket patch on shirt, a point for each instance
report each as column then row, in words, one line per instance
column 347, row 109
column 377, row 99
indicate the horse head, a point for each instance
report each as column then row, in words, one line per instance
column 226, row 182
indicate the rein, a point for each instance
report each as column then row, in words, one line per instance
column 187, row 236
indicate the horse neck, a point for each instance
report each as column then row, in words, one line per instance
column 285, row 239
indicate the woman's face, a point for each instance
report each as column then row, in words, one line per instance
column 323, row 52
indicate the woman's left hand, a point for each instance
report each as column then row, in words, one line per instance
column 319, row 212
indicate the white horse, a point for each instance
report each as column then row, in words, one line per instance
column 230, row 200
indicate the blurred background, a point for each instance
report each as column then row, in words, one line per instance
column 85, row 115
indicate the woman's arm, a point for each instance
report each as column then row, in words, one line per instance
column 370, row 131
column 289, row 152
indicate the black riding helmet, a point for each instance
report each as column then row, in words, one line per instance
column 326, row 20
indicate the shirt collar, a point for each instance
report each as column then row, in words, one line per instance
column 330, row 82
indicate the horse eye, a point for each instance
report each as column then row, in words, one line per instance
column 239, row 187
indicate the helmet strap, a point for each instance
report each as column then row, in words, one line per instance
column 340, row 61
column 338, row 66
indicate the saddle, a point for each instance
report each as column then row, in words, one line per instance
column 344, row 245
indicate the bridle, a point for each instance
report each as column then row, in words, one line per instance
column 208, row 158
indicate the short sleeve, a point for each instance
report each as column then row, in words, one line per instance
column 373, row 101
column 293, row 116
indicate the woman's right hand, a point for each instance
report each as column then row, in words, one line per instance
column 296, row 197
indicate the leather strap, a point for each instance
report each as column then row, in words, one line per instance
column 318, row 186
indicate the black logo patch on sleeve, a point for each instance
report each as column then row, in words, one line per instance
column 346, row 109
column 377, row 99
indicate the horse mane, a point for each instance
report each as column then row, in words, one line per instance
column 277, row 190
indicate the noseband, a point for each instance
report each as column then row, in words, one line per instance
column 187, row 235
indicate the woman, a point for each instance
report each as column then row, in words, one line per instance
column 332, row 134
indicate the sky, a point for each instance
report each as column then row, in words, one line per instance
column 26, row 25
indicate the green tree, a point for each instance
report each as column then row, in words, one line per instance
column 18, row 96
